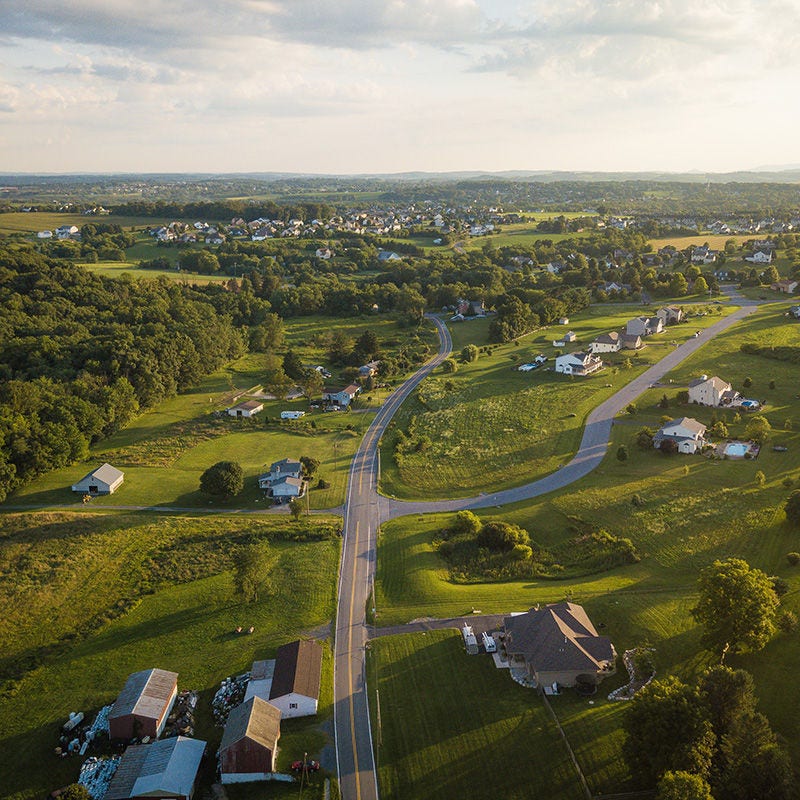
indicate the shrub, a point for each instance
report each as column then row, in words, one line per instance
column 465, row 522
column 502, row 536
column 637, row 500
column 622, row 453
column 792, row 508
column 788, row 482
column 760, row 478
column 787, row 621
column 449, row 365
column 631, row 408
column 644, row 439
column 747, row 382
column 772, row 384
column 793, row 559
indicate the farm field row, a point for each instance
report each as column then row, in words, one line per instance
column 489, row 427
column 88, row 600
column 680, row 512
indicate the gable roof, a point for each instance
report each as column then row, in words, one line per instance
column 558, row 637
column 719, row 384
column 286, row 465
column 247, row 405
column 255, row 719
column 105, row 473
column 168, row 767
column 297, row 669
column 145, row 693
column 688, row 423
column 608, row 338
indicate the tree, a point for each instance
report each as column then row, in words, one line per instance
column 224, row 479
column 310, row 465
column 792, row 508
column 293, row 366
column 251, row 571
column 737, row 606
column 726, row 694
column 470, row 353
column 267, row 335
column 678, row 285
column 75, row 791
column 311, row 384
column 295, row 508
column 622, row 453
column 502, row 536
column 700, row 285
column 278, row 383
column 449, row 365
column 411, row 308
column 465, row 522
column 666, row 730
column 367, row 345
column 644, row 439
column 758, row 429
column 683, row 786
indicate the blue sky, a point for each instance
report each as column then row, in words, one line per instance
column 343, row 86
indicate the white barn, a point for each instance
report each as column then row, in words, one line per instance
column 103, row 480
column 296, row 680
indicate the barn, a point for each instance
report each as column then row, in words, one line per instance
column 143, row 704
column 250, row 742
column 103, row 480
column 249, row 408
column 165, row 769
column 296, row 680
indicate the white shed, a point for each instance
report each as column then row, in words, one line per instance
column 103, row 480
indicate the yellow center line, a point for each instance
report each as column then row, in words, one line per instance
column 350, row 671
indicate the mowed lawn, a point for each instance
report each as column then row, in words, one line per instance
column 87, row 601
column 680, row 512
column 453, row 726
column 489, row 427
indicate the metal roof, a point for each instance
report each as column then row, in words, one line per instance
column 145, row 694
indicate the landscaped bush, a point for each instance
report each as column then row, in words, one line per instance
column 793, row 559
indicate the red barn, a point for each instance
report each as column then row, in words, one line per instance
column 250, row 742
column 143, row 705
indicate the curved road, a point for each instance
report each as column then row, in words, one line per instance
column 365, row 509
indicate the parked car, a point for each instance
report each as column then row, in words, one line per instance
column 308, row 766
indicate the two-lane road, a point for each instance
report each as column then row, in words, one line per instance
column 354, row 756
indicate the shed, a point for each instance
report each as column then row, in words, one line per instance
column 250, row 742
column 249, row 408
column 165, row 769
column 103, row 480
column 143, row 704
column 296, row 680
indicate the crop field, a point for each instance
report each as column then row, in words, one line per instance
column 490, row 427
column 680, row 512
column 88, row 599
column 34, row 221
column 715, row 242
column 454, row 726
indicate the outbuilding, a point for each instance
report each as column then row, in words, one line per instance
column 296, row 680
column 165, row 769
column 250, row 742
column 249, row 408
column 103, row 480
column 143, row 704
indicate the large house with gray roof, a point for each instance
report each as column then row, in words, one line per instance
column 558, row 644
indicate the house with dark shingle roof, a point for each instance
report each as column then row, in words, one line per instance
column 296, row 679
column 558, row 644
column 165, row 769
column 250, row 742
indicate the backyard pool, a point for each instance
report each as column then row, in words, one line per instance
column 750, row 404
column 736, row 449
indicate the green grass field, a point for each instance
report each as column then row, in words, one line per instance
column 454, row 726
column 492, row 427
column 88, row 600
column 690, row 510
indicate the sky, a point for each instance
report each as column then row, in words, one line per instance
column 382, row 86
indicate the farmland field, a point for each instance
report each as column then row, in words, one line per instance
column 88, row 599
column 489, row 427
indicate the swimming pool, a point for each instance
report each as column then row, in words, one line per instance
column 737, row 449
column 750, row 404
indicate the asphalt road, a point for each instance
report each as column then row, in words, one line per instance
column 354, row 756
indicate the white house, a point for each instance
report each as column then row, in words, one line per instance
column 103, row 480
column 644, row 326
column 714, row 391
column 284, row 480
column 567, row 338
column 670, row 314
column 578, row 364
column 687, row 433
column 323, row 253
column 341, row 397
column 249, row 408
column 760, row 257
column 296, row 680
column 287, row 489
column 45, row 234
column 606, row 343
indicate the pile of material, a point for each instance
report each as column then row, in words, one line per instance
column 229, row 695
column 96, row 775
column 181, row 720
column 100, row 724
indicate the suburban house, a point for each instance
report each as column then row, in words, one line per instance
column 613, row 286
column 631, row 341
column 795, row 311
column 563, row 320
column 704, row 255
column 644, row 326
column 669, row 315
column 578, row 363
column 714, row 391
column 567, row 338
column 143, row 705
column 606, row 343
column 785, row 285
column 284, row 481
column 369, row 369
column 250, row 742
column 341, row 397
column 388, row 255
column 296, row 680
column 760, row 257
column 249, row 408
column 687, row 433
column 558, row 644
column 323, row 253
column 103, row 480
column 165, row 769
column 471, row 308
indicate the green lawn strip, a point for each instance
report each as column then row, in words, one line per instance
column 454, row 726
column 187, row 627
column 490, row 427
